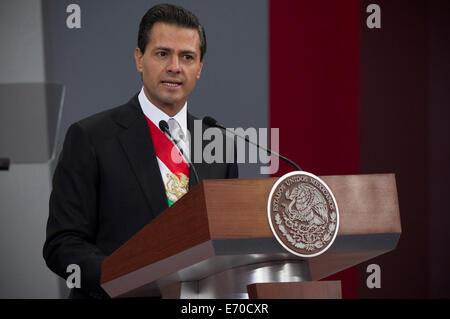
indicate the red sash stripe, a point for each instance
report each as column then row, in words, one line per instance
column 163, row 149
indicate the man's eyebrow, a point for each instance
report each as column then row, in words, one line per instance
column 163, row 49
column 171, row 50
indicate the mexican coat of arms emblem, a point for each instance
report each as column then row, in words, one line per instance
column 303, row 214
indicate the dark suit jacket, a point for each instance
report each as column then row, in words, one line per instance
column 106, row 187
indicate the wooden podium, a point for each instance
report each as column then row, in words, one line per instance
column 216, row 242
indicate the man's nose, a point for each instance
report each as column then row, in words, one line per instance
column 174, row 65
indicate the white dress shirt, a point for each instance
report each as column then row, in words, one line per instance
column 156, row 115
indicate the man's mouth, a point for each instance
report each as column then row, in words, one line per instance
column 171, row 84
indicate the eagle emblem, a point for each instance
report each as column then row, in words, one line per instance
column 303, row 214
column 176, row 187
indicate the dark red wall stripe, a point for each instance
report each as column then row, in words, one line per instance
column 314, row 89
column 394, row 136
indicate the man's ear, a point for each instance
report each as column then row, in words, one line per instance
column 199, row 71
column 138, row 57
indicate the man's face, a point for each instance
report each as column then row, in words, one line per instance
column 170, row 65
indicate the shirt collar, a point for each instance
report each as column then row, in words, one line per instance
column 156, row 115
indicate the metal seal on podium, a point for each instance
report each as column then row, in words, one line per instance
column 303, row 214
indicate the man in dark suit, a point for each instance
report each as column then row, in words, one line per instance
column 113, row 175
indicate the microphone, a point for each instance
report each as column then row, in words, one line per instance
column 209, row 121
column 165, row 128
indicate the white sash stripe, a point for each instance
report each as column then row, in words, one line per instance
column 166, row 178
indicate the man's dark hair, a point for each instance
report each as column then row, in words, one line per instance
column 170, row 14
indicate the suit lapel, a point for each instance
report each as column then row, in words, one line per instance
column 138, row 146
column 194, row 139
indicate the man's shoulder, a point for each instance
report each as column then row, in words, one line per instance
column 107, row 123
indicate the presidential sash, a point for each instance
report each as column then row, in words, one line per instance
column 174, row 170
